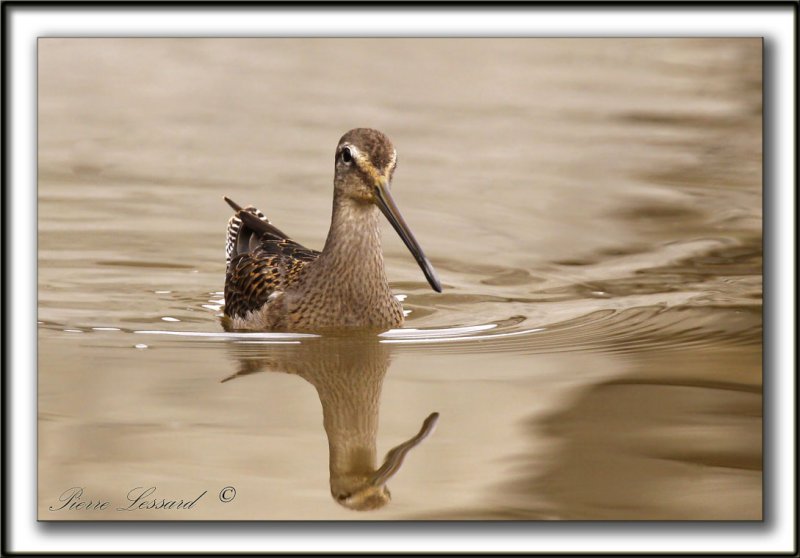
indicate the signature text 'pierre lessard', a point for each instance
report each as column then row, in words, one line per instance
column 139, row 498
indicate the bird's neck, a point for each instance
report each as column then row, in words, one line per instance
column 353, row 246
column 349, row 278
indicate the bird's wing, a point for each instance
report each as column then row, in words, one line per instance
column 261, row 260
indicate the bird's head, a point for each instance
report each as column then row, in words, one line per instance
column 365, row 164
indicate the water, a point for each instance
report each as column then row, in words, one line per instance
column 593, row 208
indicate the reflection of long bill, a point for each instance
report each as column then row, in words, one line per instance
column 393, row 459
column 392, row 213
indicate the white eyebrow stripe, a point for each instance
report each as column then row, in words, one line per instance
column 365, row 163
column 354, row 151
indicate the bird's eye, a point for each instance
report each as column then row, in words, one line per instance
column 346, row 155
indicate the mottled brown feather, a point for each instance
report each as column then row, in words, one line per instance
column 263, row 260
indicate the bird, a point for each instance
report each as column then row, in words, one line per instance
column 273, row 283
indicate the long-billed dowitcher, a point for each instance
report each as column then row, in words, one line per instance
column 274, row 283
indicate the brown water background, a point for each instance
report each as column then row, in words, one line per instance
column 593, row 208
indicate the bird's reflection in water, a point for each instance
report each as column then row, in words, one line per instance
column 347, row 372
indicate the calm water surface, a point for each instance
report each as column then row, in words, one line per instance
column 593, row 208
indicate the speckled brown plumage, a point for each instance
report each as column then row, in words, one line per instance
column 261, row 261
column 274, row 283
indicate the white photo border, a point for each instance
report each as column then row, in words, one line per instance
column 23, row 23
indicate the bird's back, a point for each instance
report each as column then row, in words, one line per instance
column 262, row 262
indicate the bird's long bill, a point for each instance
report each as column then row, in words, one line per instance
column 393, row 460
column 392, row 213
